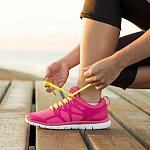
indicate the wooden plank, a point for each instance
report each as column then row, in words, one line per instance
column 144, row 91
column 18, row 95
column 54, row 139
column 14, row 131
column 3, row 87
column 133, row 119
column 114, row 138
column 135, row 97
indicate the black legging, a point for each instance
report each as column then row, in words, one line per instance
column 127, row 76
column 111, row 12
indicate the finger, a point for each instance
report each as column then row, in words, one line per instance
column 85, row 68
column 88, row 74
column 47, row 79
column 48, row 89
column 98, row 83
column 100, row 87
column 60, row 84
column 91, row 79
column 46, row 85
column 56, row 83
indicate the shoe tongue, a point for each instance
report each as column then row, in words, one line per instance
column 73, row 89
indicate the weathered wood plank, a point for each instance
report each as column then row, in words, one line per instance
column 133, row 96
column 133, row 119
column 144, row 91
column 3, row 87
column 54, row 139
column 18, row 97
column 14, row 131
column 114, row 138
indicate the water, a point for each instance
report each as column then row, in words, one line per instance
column 34, row 62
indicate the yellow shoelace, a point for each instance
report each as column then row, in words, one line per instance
column 70, row 96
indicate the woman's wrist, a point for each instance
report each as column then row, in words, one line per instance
column 134, row 52
column 72, row 58
column 64, row 61
column 119, row 60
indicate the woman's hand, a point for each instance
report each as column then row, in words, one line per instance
column 103, row 72
column 56, row 73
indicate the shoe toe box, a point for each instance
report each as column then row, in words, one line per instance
column 38, row 117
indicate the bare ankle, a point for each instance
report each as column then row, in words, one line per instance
column 90, row 94
column 90, row 97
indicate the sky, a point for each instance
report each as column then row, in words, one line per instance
column 43, row 24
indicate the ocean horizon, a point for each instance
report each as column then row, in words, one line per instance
column 33, row 62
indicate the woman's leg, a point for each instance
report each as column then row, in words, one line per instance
column 100, row 34
column 98, row 41
column 142, row 80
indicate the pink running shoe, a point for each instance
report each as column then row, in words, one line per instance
column 72, row 113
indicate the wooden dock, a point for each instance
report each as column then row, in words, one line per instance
column 129, row 112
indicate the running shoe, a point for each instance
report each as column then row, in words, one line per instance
column 72, row 113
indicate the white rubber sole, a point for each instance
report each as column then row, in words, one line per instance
column 73, row 126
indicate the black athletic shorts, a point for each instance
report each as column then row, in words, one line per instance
column 111, row 12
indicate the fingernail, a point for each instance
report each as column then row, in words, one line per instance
column 46, row 79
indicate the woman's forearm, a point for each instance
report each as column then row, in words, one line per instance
column 134, row 52
column 72, row 58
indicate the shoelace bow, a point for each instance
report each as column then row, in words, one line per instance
column 70, row 96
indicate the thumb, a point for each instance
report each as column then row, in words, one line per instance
column 48, row 73
column 46, row 79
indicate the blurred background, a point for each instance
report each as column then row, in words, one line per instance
column 34, row 33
